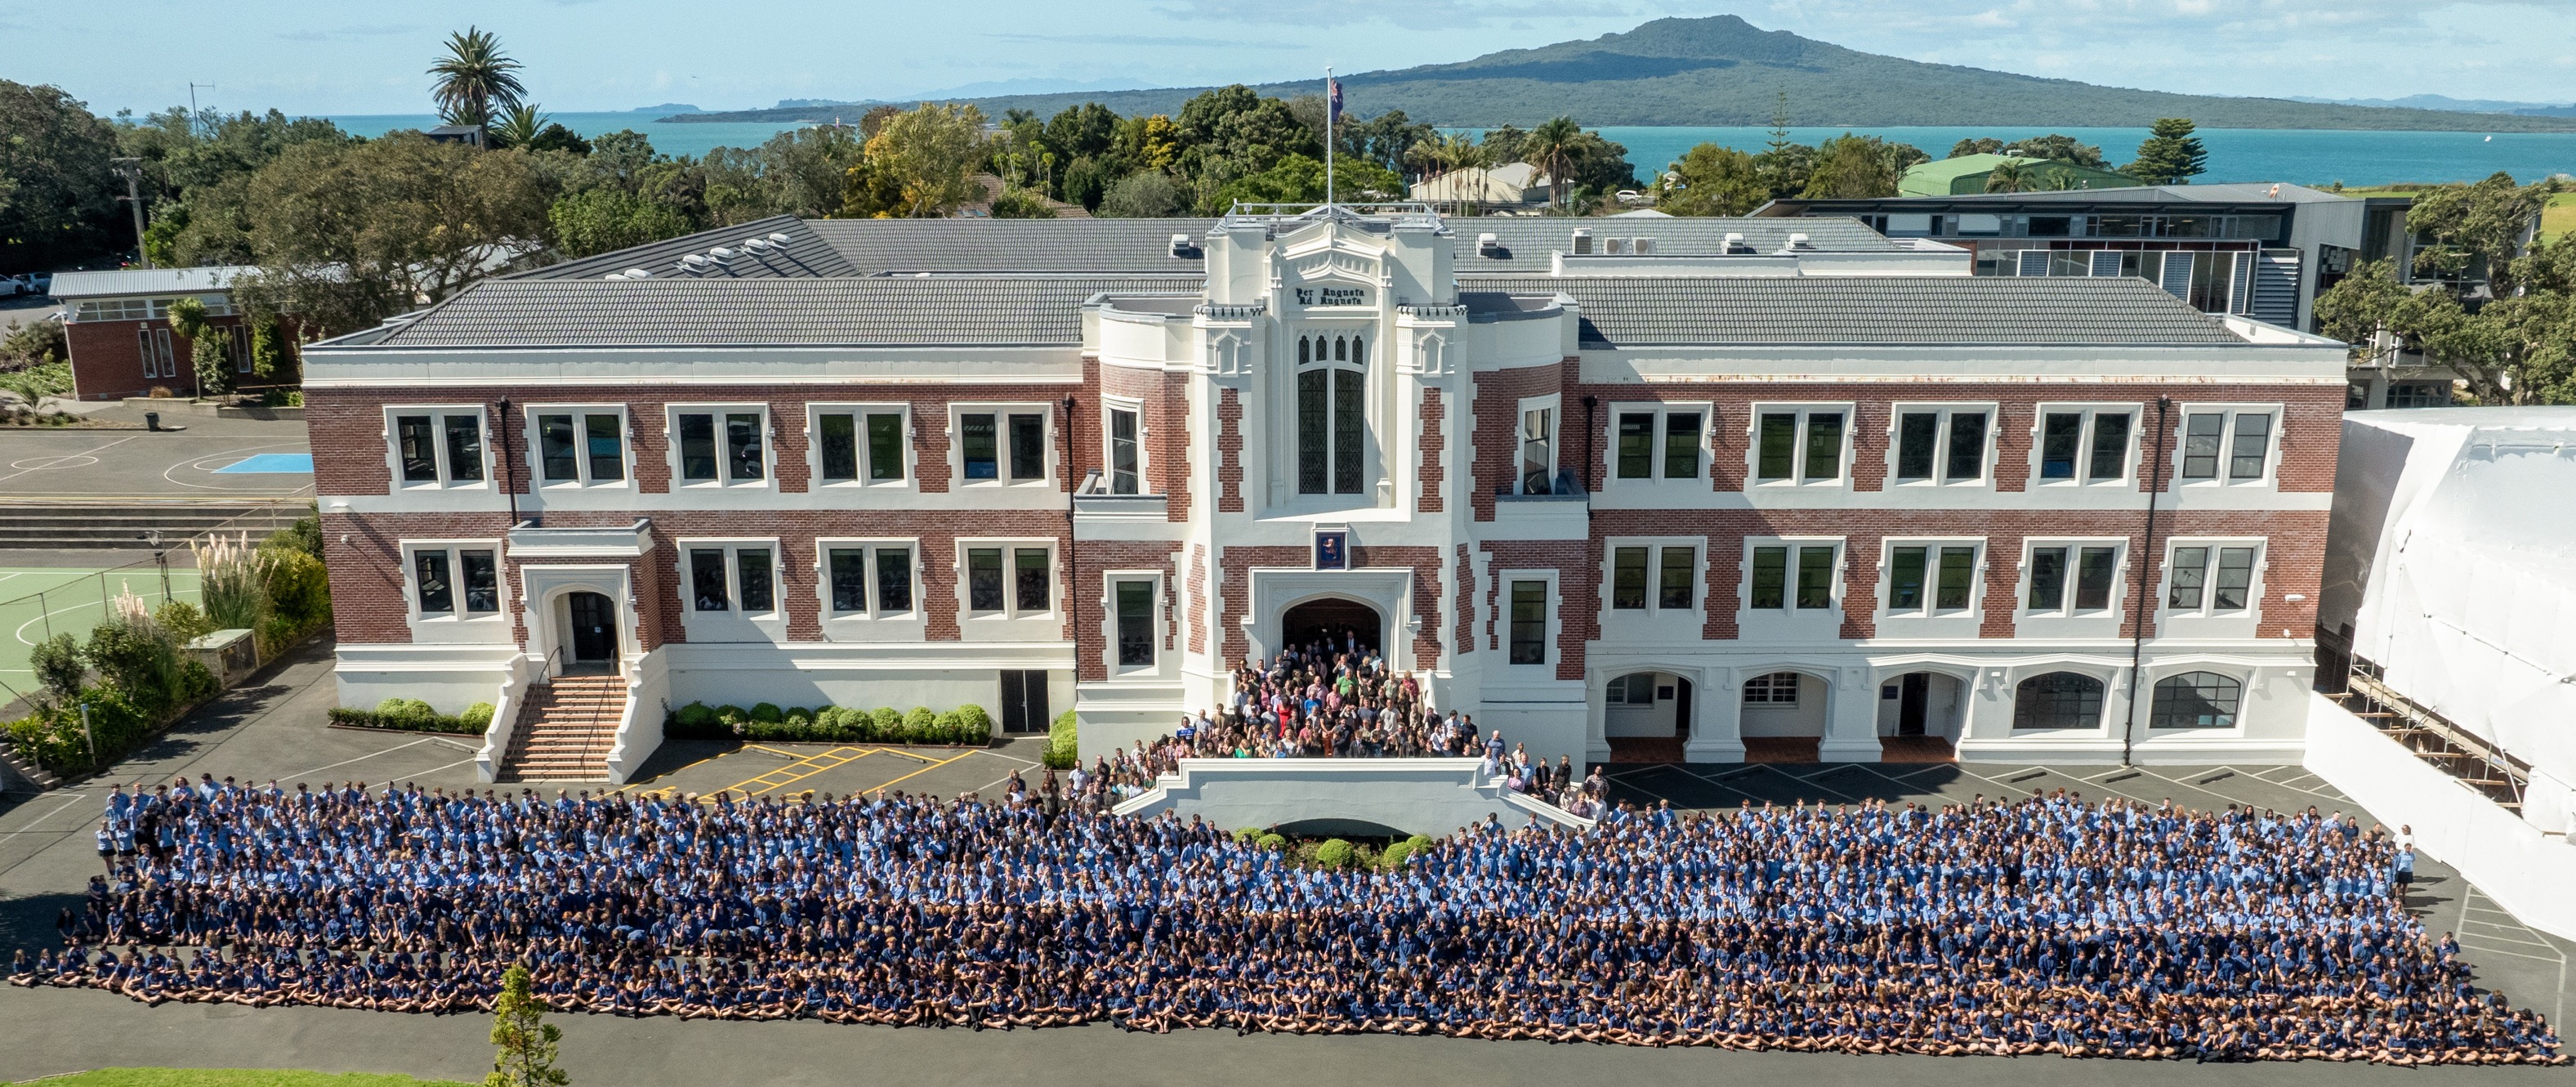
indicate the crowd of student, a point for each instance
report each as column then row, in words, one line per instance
column 2040, row 925
column 1333, row 698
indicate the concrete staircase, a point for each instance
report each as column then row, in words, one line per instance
column 565, row 730
column 71, row 523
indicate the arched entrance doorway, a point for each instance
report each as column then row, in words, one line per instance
column 1333, row 619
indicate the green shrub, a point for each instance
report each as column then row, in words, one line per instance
column 1064, row 747
column 885, row 725
column 1394, row 856
column 733, row 717
column 232, row 581
column 794, row 713
column 1248, row 835
column 461, row 724
column 1272, row 842
column 136, row 656
column 58, row 666
column 920, row 726
column 299, row 587
column 184, row 622
column 399, row 706
column 304, row 535
column 1334, row 853
column 693, row 715
column 768, row 713
column 974, row 725
column 478, row 714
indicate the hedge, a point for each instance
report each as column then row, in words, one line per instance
column 967, row 724
column 1063, row 749
column 414, row 715
column 52, row 736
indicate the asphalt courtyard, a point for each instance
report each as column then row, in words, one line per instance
column 273, row 728
column 105, row 465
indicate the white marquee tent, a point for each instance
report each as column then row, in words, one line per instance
column 2453, row 558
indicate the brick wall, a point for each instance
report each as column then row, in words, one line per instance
column 1229, row 451
column 1434, row 475
column 1578, row 599
column 1090, row 623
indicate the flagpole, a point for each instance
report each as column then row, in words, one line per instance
column 1328, row 135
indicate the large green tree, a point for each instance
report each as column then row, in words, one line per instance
column 1232, row 132
column 57, row 193
column 2516, row 350
column 1849, row 167
column 2170, row 155
column 1551, row 148
column 2473, row 232
column 918, row 165
column 476, row 82
column 1712, row 180
column 346, row 236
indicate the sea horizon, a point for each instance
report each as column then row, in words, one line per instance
column 2317, row 157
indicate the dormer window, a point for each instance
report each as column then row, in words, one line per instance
column 1332, row 416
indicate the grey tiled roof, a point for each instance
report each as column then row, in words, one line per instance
column 1889, row 310
column 889, row 311
column 802, row 255
column 845, row 247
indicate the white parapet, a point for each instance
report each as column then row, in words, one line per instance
column 2528, row 871
column 1416, row 796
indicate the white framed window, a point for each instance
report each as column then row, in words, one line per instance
column 738, row 577
column 1793, row 575
column 1001, row 444
column 1658, row 441
column 578, row 445
column 720, row 445
column 2213, row 577
column 1537, row 446
column 1801, row 444
column 1332, row 413
column 2058, row 702
column 1933, row 577
column 1940, row 444
column 2072, row 577
column 452, row 579
column 865, row 445
column 1134, row 615
column 1772, row 689
column 872, row 579
column 1123, row 449
column 1635, row 689
column 2196, row 700
column 1008, row 579
column 1654, row 577
column 2227, row 445
column 1529, row 618
column 438, row 446
column 2085, row 443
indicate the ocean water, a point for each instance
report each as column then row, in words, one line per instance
column 2299, row 156
column 2302, row 156
column 692, row 140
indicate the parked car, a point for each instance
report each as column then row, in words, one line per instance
column 31, row 283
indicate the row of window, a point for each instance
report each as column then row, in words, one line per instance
column 446, row 446
column 861, row 580
column 2072, row 579
column 1935, row 445
column 2054, row 701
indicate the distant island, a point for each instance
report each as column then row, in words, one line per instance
column 2455, row 105
column 666, row 107
column 1722, row 70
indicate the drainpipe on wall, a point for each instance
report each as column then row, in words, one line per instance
column 509, row 468
column 1072, row 560
column 1590, row 436
column 2138, row 635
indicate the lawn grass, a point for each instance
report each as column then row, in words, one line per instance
column 2560, row 216
column 236, row 1077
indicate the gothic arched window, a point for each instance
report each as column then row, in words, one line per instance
column 1332, row 415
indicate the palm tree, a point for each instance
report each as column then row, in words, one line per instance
column 1552, row 146
column 474, row 80
column 2008, row 176
column 519, row 126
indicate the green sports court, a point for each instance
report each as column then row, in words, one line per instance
column 39, row 601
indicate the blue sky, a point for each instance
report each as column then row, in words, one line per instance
column 312, row 56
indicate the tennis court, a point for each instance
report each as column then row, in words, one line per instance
column 38, row 602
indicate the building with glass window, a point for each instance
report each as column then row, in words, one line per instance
column 2260, row 251
column 1781, row 484
column 116, row 327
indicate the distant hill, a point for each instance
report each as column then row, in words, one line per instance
column 2445, row 102
column 1721, row 70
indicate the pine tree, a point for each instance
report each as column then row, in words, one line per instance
column 2171, row 155
column 527, row 1043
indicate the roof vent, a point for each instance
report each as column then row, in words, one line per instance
column 1799, row 241
column 638, row 273
column 720, row 254
column 756, row 245
column 778, row 239
column 1582, row 243
column 1735, row 243
column 695, row 263
column 1489, row 245
column 1182, row 246
column 1645, row 247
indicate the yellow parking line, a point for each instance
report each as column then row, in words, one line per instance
column 799, row 770
column 918, row 773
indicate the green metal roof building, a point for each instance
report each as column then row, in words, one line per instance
column 1966, row 174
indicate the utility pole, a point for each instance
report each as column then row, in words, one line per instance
column 192, row 102
column 132, row 171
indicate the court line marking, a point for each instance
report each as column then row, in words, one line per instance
column 165, row 473
column 361, row 758
column 918, row 773
column 21, row 632
column 82, row 453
